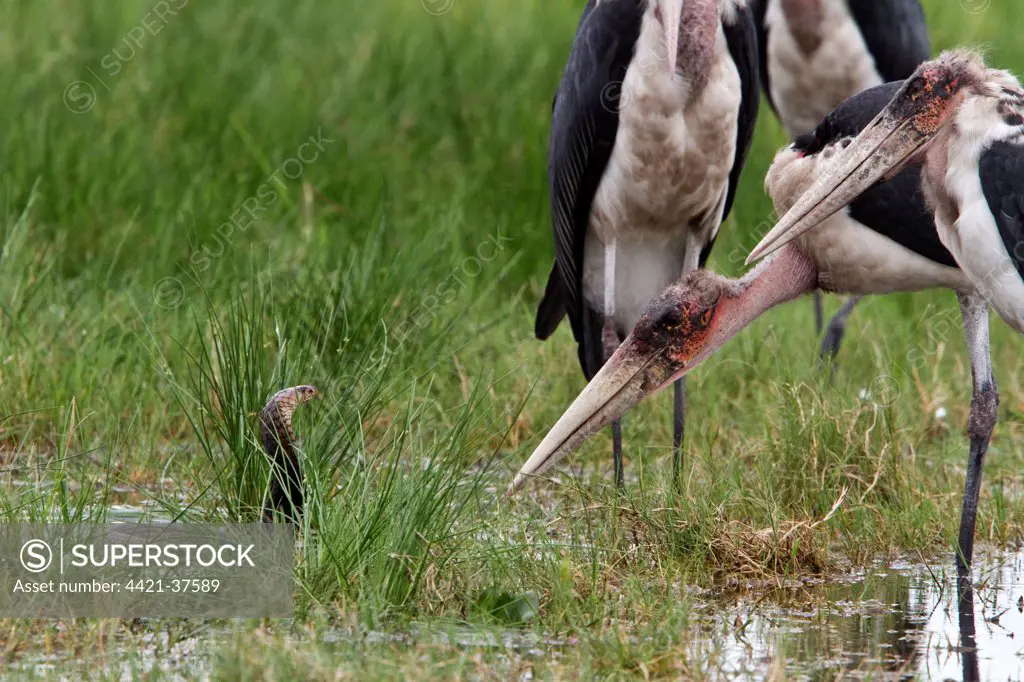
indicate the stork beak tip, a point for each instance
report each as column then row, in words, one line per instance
column 514, row 486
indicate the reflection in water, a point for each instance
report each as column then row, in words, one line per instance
column 968, row 643
column 899, row 622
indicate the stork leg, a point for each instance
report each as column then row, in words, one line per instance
column 819, row 313
column 836, row 328
column 617, row 451
column 984, row 411
column 611, row 342
column 678, row 429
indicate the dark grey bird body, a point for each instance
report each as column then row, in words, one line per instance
column 280, row 445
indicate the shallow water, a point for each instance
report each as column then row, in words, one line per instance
column 902, row 621
column 895, row 622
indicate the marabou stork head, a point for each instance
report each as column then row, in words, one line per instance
column 899, row 136
column 679, row 329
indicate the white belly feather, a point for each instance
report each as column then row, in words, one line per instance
column 669, row 168
column 969, row 231
column 854, row 259
column 851, row 257
column 805, row 88
column 975, row 242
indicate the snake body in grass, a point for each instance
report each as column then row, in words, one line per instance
column 279, row 442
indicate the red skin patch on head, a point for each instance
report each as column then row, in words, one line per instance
column 692, row 335
column 934, row 113
column 930, row 119
column 934, row 99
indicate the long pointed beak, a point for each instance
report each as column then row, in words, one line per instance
column 880, row 151
column 673, row 11
column 630, row 375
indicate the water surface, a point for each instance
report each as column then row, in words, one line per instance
column 901, row 621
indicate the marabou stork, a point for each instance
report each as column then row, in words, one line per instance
column 815, row 54
column 963, row 125
column 884, row 241
column 650, row 130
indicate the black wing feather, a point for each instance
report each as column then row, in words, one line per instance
column 742, row 39
column 584, row 123
column 1002, row 169
column 758, row 9
column 896, row 208
column 896, row 34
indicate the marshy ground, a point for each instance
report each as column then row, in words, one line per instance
column 205, row 204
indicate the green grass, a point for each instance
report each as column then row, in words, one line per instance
column 141, row 330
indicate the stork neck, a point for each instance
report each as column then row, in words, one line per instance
column 784, row 276
column 698, row 32
column 805, row 19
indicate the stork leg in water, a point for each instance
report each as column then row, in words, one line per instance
column 968, row 634
column 984, row 410
column 280, row 444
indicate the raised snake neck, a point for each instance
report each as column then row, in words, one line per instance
column 279, row 442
